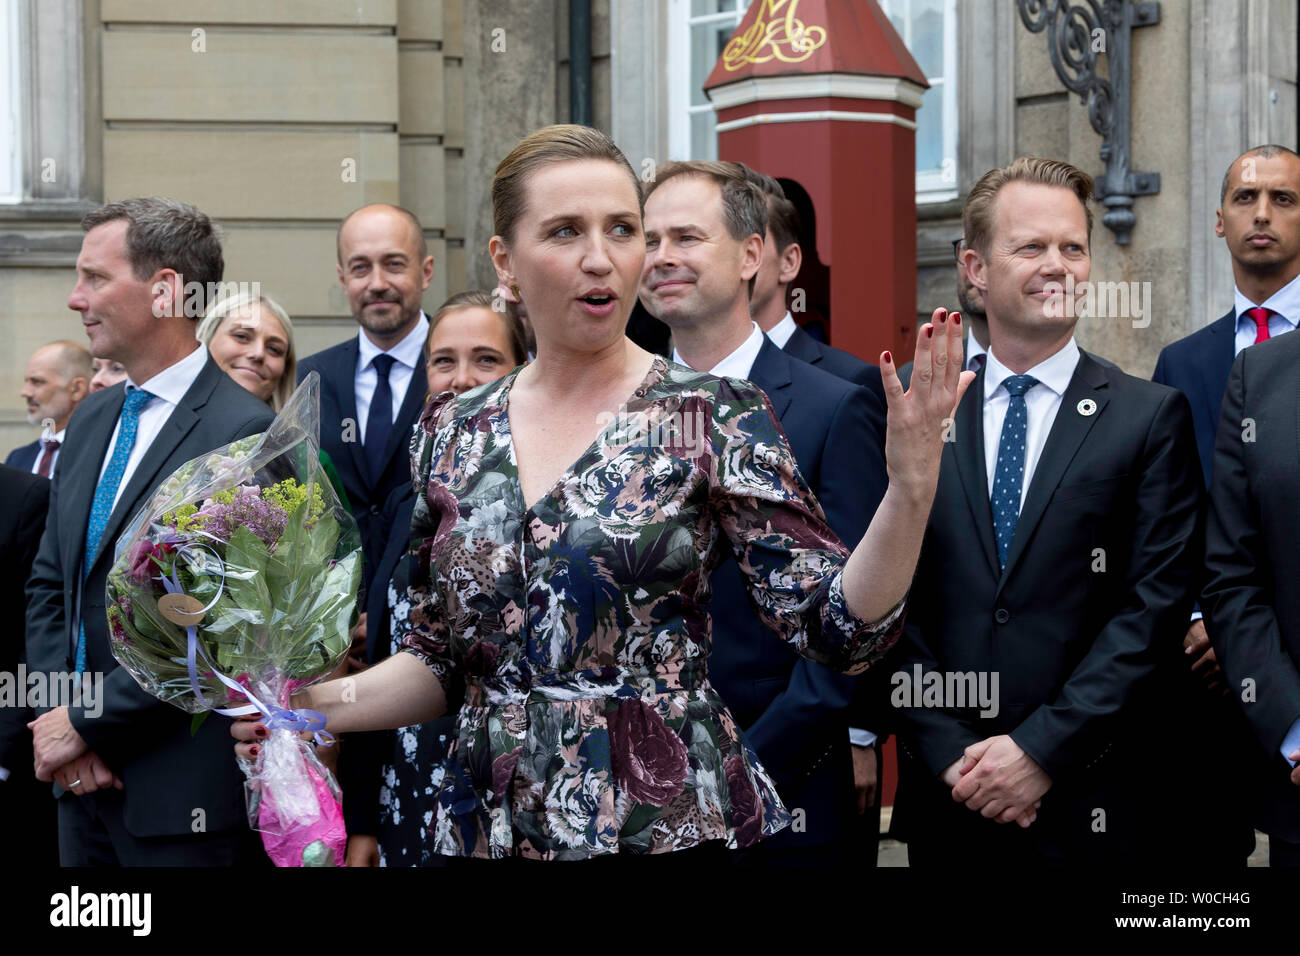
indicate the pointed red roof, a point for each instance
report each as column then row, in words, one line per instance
column 788, row 37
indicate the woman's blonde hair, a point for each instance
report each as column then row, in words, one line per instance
column 220, row 310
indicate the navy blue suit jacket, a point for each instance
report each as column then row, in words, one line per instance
column 340, row 436
column 793, row 711
column 1198, row 366
column 24, row 457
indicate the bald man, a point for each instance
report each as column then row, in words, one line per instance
column 373, row 385
column 57, row 378
column 372, row 389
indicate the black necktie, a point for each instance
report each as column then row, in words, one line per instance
column 379, row 425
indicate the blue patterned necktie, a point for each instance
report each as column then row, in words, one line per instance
column 106, row 491
column 379, row 425
column 1009, row 476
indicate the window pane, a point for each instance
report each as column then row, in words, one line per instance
column 927, row 35
column 929, row 131
column 10, row 134
column 704, row 136
column 707, row 44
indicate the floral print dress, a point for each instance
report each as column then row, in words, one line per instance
column 578, row 626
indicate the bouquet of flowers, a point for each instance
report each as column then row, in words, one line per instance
column 232, row 588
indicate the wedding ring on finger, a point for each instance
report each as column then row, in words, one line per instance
column 75, row 784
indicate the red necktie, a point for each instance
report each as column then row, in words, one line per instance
column 1259, row 315
column 47, row 458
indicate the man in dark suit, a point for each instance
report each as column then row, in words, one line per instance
column 55, row 381
column 384, row 266
column 1259, row 221
column 1063, row 546
column 28, row 824
column 704, row 233
column 1251, row 602
column 135, row 787
column 782, row 260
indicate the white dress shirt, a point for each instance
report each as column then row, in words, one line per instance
column 974, row 350
column 739, row 363
column 36, row 464
column 409, row 354
column 168, row 388
column 1285, row 303
column 781, row 332
column 1041, row 405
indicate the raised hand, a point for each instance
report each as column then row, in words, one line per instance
column 920, row 416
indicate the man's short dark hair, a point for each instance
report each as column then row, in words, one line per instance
column 744, row 207
column 164, row 233
column 1267, row 151
column 782, row 216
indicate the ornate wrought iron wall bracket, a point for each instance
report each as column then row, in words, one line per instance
column 1078, row 33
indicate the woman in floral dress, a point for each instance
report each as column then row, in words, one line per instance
column 567, row 521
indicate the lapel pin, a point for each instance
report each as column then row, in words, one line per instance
column 1086, row 407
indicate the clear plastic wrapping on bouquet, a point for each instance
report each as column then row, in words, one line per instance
column 234, row 587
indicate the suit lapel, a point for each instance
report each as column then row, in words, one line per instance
column 803, row 346
column 1218, row 363
column 83, row 477
column 178, row 425
column 1069, row 430
column 968, row 451
column 771, row 373
column 344, row 376
column 416, row 390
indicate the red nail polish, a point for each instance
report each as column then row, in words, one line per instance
column 956, row 318
column 889, row 358
column 256, row 750
column 261, row 731
column 929, row 331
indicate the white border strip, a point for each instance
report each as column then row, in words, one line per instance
column 809, row 85
column 815, row 116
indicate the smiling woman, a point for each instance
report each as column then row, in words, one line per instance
column 251, row 338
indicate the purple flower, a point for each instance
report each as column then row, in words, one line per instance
column 264, row 518
column 649, row 757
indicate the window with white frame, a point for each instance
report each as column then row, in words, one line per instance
column 700, row 29
column 929, row 29
column 11, row 147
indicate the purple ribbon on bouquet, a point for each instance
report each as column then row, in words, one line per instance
column 277, row 718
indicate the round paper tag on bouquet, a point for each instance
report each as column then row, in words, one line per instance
column 181, row 609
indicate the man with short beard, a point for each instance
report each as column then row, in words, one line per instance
column 1259, row 221
column 373, row 385
column 57, row 378
column 705, row 228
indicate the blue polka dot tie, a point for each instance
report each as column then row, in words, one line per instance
column 1008, row 477
column 106, row 491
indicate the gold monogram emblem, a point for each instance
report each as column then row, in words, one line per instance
column 774, row 36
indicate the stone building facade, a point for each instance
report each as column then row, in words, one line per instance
column 279, row 117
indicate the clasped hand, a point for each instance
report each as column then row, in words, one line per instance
column 999, row 781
